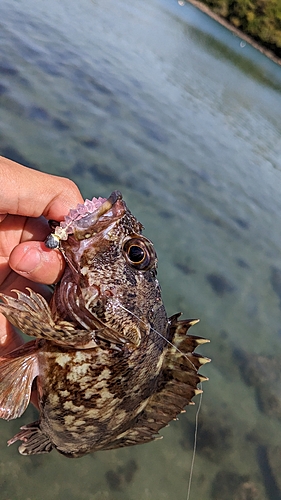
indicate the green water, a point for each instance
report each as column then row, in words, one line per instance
column 160, row 102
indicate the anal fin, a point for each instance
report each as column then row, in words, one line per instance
column 17, row 372
column 34, row 441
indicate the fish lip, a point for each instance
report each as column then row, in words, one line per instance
column 79, row 225
column 115, row 195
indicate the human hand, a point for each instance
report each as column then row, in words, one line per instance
column 28, row 199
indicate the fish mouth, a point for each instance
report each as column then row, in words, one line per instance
column 89, row 220
column 112, row 209
column 81, row 220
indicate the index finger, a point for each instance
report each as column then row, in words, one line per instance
column 31, row 193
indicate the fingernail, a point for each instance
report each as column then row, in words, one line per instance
column 30, row 261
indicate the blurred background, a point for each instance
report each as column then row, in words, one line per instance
column 161, row 102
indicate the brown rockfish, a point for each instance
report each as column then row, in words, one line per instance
column 110, row 368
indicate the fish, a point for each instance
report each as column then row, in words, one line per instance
column 109, row 367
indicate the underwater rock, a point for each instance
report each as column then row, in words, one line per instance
column 185, row 268
column 247, row 491
column 117, row 479
column 38, row 113
column 100, row 172
column 220, row 284
column 232, row 485
column 273, row 455
column 90, row 142
column 242, row 263
column 275, row 280
column 60, row 124
column 7, row 69
column 3, row 89
column 269, row 463
column 264, row 374
column 242, row 223
column 215, row 437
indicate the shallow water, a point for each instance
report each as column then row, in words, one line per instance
column 160, row 102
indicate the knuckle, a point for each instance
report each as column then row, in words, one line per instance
column 70, row 186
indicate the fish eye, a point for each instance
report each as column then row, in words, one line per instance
column 136, row 254
column 140, row 253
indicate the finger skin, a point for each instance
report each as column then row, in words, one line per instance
column 36, row 262
column 28, row 198
column 31, row 193
column 26, row 195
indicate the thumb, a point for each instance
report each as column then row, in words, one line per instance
column 34, row 261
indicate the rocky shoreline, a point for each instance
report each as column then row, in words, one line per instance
column 237, row 32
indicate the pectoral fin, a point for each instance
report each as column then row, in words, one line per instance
column 17, row 372
column 31, row 314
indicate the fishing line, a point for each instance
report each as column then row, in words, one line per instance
column 199, row 403
column 194, row 444
column 158, row 333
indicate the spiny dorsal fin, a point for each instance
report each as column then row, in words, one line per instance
column 176, row 385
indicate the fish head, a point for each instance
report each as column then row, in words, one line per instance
column 109, row 283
